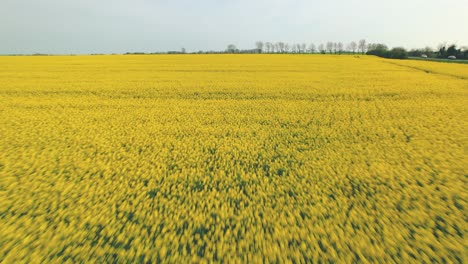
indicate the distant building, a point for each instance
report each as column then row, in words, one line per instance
column 424, row 56
column 452, row 57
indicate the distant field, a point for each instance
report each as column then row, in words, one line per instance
column 232, row 158
column 440, row 60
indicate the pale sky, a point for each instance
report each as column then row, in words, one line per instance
column 118, row 26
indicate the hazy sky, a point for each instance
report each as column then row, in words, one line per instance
column 108, row 26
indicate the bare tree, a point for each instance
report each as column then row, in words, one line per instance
column 362, row 46
column 330, row 46
column 312, row 48
column 339, row 46
column 442, row 45
column 231, row 48
column 286, row 48
column 304, row 48
column 352, row 46
column 335, row 47
column 281, row 46
column 428, row 49
column 321, row 48
column 296, row 48
column 259, row 46
column 276, row 47
column 268, row 47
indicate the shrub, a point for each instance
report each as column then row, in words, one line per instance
column 398, row 53
column 381, row 50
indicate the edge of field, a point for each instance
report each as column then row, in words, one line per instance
column 439, row 60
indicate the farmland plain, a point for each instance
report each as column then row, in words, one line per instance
column 232, row 158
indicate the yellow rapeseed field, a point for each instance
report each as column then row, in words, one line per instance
column 232, row 158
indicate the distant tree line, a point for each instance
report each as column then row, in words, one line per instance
column 443, row 51
column 302, row 48
column 353, row 47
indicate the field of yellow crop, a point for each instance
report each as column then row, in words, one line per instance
column 448, row 69
column 232, row 158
